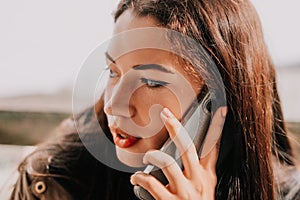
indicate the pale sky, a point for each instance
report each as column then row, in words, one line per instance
column 43, row 43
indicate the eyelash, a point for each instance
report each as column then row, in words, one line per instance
column 153, row 84
column 111, row 72
column 149, row 82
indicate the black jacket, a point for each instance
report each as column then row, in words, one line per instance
column 64, row 169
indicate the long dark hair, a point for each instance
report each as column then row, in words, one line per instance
column 254, row 130
column 254, row 139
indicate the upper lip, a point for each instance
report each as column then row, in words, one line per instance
column 119, row 131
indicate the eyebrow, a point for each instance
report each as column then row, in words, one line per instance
column 144, row 66
column 154, row 67
column 110, row 58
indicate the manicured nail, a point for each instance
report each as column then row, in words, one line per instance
column 131, row 179
column 224, row 111
column 167, row 113
column 163, row 116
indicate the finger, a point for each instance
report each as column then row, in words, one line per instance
column 169, row 167
column 183, row 142
column 151, row 184
column 210, row 151
column 208, row 172
column 208, row 164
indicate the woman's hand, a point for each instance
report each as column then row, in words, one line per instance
column 198, row 180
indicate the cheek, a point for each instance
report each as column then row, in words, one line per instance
column 154, row 142
column 160, row 138
column 150, row 102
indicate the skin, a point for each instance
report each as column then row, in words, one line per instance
column 141, row 100
column 198, row 180
column 158, row 110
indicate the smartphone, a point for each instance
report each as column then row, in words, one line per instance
column 196, row 121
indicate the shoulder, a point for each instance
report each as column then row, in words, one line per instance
column 37, row 177
column 62, row 166
column 65, row 172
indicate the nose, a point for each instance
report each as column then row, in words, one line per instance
column 117, row 100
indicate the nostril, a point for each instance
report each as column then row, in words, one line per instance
column 132, row 111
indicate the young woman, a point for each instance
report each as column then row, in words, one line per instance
column 252, row 159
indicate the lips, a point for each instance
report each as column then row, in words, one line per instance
column 122, row 139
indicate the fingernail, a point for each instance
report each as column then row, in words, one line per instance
column 131, row 179
column 163, row 116
column 167, row 112
column 224, row 111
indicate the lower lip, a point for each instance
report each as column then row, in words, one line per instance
column 125, row 142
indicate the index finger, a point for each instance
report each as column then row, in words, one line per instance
column 183, row 142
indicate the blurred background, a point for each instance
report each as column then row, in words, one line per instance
column 44, row 43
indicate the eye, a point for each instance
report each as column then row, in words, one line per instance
column 112, row 73
column 153, row 84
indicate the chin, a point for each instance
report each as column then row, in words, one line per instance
column 129, row 158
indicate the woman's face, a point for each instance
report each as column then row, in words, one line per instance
column 141, row 83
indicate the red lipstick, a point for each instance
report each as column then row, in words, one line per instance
column 123, row 140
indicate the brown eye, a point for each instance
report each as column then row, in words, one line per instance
column 152, row 83
column 112, row 74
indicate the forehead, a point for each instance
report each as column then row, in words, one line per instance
column 133, row 33
column 130, row 31
column 129, row 20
